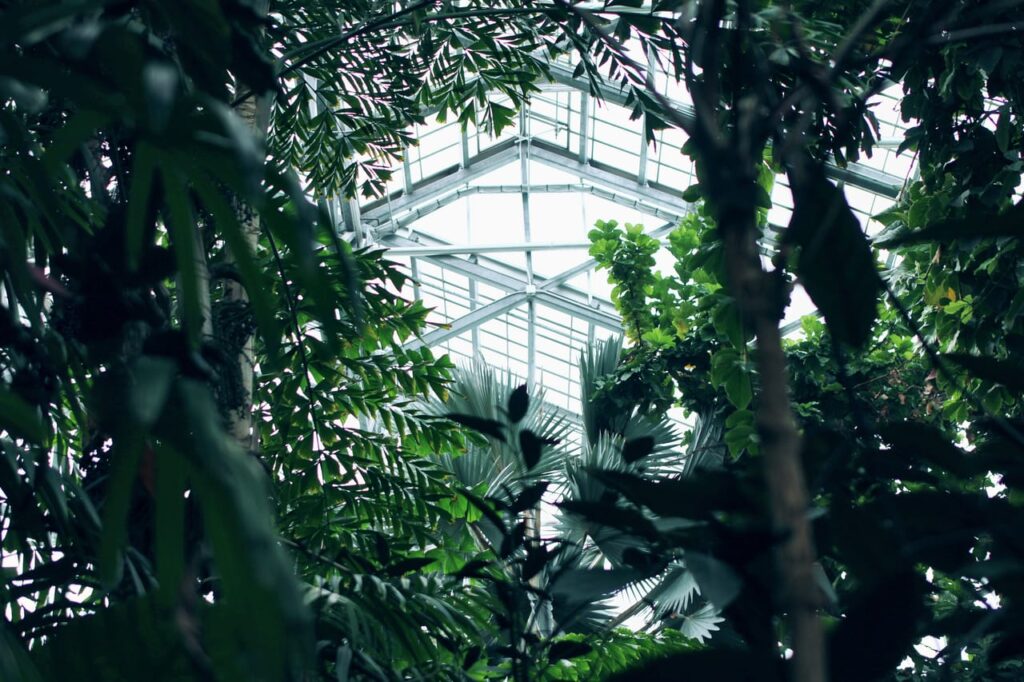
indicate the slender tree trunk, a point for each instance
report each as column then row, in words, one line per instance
column 254, row 111
column 240, row 422
column 759, row 295
column 203, row 283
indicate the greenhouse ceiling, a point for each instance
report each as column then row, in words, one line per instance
column 494, row 228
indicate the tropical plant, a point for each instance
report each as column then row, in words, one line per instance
column 188, row 378
column 146, row 237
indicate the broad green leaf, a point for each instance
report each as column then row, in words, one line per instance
column 184, row 238
column 15, row 662
column 124, row 459
column 170, row 521
column 721, row 665
column 518, row 404
column 637, row 448
column 836, row 264
column 70, row 136
column 718, row 582
column 20, row 418
column 261, row 595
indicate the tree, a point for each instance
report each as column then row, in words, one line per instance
column 146, row 237
column 146, row 233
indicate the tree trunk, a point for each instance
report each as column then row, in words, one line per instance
column 254, row 110
column 759, row 295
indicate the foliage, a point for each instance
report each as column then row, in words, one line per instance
column 124, row 172
column 322, row 544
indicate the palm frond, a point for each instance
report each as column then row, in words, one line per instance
column 498, row 467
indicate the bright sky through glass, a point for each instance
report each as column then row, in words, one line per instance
column 570, row 161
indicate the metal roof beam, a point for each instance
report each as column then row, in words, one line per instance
column 601, row 318
column 411, row 215
column 624, row 183
column 508, row 278
column 452, row 249
column 557, row 282
column 381, row 212
column 470, row 321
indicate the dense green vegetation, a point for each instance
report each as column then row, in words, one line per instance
column 220, row 461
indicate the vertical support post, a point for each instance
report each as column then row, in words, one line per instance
column 353, row 221
column 407, row 171
column 584, row 150
column 641, row 175
column 473, row 303
column 414, row 269
column 531, row 327
column 464, row 139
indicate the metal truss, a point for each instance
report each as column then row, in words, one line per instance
column 552, row 292
column 390, row 222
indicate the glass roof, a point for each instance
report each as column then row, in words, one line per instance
column 493, row 228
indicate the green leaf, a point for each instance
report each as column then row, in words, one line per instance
column 170, row 522
column 529, row 497
column 530, row 446
column 342, row 663
column 882, row 619
column 728, row 322
column 184, row 238
column 912, row 440
column 637, row 448
column 15, row 662
column 488, row 427
column 20, row 418
column 263, row 602
column 718, row 582
column 1004, row 129
column 585, row 585
column 566, row 649
column 124, row 459
column 762, row 198
column 836, row 264
column 729, row 372
column 721, row 665
column 69, row 136
column 518, row 404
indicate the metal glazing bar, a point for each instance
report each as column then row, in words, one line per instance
column 473, row 305
column 641, row 205
column 407, row 171
column 623, row 183
column 856, row 174
column 584, row 150
column 380, row 212
column 558, row 280
column 468, row 322
column 512, row 279
column 602, row 318
column 450, row 249
column 414, row 270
